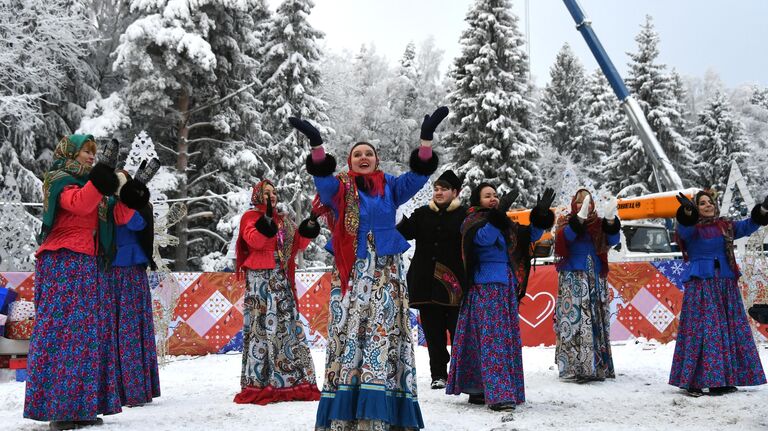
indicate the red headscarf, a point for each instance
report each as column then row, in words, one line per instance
column 594, row 226
column 344, row 228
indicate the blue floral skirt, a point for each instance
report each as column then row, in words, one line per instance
column 72, row 362
column 714, row 346
column 487, row 355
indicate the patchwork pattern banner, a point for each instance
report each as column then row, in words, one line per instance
column 205, row 310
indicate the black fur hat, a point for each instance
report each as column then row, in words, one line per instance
column 449, row 178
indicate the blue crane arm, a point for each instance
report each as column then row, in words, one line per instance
column 665, row 173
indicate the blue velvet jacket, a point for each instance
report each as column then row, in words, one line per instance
column 705, row 246
column 581, row 246
column 129, row 251
column 377, row 213
column 492, row 257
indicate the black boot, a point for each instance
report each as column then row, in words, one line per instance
column 476, row 399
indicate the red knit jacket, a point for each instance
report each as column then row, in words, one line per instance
column 261, row 250
column 77, row 221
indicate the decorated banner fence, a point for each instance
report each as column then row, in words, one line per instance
column 204, row 310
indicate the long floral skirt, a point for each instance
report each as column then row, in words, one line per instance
column 487, row 355
column 583, row 326
column 370, row 373
column 136, row 347
column 72, row 360
column 277, row 364
column 714, row 346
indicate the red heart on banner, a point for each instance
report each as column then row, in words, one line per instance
column 537, row 309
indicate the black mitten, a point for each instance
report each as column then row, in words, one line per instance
column 147, row 171
column 308, row 130
column 110, row 153
column 265, row 225
column 431, row 122
column 104, row 179
column 309, row 228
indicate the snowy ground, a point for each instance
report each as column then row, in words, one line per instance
column 198, row 392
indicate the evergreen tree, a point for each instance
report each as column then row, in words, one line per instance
column 602, row 116
column 192, row 74
column 491, row 103
column 563, row 107
column 719, row 141
column 654, row 91
column 291, row 77
column 403, row 96
column 42, row 48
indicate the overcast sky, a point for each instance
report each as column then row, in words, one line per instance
column 728, row 37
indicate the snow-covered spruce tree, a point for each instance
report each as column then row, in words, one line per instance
column 760, row 97
column 192, row 79
column 42, row 47
column 653, row 89
column 490, row 102
column 403, row 99
column 561, row 121
column 291, row 77
column 602, row 116
column 754, row 117
column 719, row 141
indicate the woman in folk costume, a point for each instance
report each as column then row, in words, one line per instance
column 370, row 380
column 487, row 361
column 277, row 365
column 715, row 351
column 72, row 361
column 582, row 316
column 137, row 353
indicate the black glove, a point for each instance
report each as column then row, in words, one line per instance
column 104, row 179
column 765, row 203
column 109, row 153
column 431, row 122
column 686, row 203
column 310, row 228
column 308, row 130
column 265, row 225
column 544, row 202
column 507, row 200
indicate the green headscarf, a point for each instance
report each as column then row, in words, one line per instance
column 67, row 171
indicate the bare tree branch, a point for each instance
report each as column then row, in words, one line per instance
column 208, row 232
column 223, row 99
column 202, row 177
column 171, row 150
column 202, row 214
column 200, row 124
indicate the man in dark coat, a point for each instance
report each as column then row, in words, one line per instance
column 436, row 275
